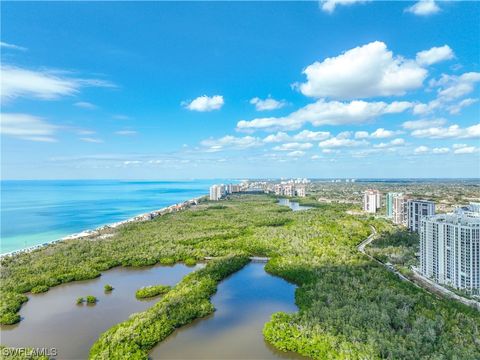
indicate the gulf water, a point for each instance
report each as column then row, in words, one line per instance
column 35, row 212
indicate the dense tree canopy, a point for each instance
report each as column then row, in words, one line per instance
column 349, row 306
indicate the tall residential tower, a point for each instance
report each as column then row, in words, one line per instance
column 416, row 209
column 389, row 203
column 450, row 249
column 371, row 201
column 399, row 208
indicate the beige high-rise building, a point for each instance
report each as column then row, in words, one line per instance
column 399, row 209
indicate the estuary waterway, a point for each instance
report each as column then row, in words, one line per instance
column 294, row 205
column 53, row 320
column 244, row 302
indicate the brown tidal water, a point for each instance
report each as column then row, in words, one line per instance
column 244, row 302
column 53, row 320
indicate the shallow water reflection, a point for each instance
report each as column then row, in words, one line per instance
column 295, row 206
column 244, row 302
column 53, row 320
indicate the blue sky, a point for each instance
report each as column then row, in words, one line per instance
column 210, row 89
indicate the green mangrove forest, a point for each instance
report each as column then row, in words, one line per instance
column 350, row 307
column 151, row 291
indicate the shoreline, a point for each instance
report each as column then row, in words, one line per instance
column 99, row 232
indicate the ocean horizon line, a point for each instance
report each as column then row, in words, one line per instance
column 253, row 178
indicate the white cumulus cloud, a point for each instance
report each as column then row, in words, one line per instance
column 303, row 136
column 391, row 144
column 361, row 134
column 451, row 90
column 464, row 149
column 453, row 131
column 424, row 8
column 421, row 150
column 382, row 133
column 441, row 150
column 435, row 55
column 205, row 103
column 340, row 142
column 457, row 108
column 293, row 146
column 307, row 135
column 365, row 71
column 326, row 113
column 267, row 104
column 296, row 153
column 452, row 87
column 423, row 123
column 278, row 137
column 330, row 5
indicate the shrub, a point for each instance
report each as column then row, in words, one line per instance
column 190, row 262
column 167, row 261
column 9, row 318
column 108, row 288
column 10, row 303
column 91, row 299
column 151, row 291
column 80, row 300
column 39, row 289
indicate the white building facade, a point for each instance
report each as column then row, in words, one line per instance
column 371, row 201
column 416, row 210
column 290, row 189
column 399, row 210
column 217, row 192
column 450, row 249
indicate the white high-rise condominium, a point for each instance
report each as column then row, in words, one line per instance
column 399, row 209
column 450, row 249
column 216, row 192
column 371, row 201
column 416, row 209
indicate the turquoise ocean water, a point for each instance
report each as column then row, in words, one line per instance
column 35, row 212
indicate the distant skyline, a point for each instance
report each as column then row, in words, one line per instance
column 154, row 90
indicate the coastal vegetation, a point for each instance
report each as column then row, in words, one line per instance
column 39, row 289
column 151, row 291
column 191, row 262
column 397, row 246
column 349, row 306
column 10, row 304
column 186, row 301
column 92, row 300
